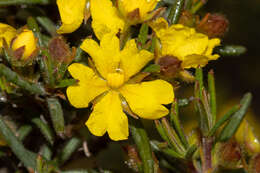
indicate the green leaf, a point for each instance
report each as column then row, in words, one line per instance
column 23, row 2
column 32, row 24
column 231, row 50
column 56, row 114
column 142, row 142
column 142, row 37
column 46, row 152
column 27, row 157
column 48, row 25
column 80, row 171
column 24, row 131
column 191, row 150
column 45, row 130
column 223, row 119
column 167, row 151
column 13, row 77
column 232, row 126
column 66, row 82
column 152, row 68
column 71, row 146
column 175, row 12
column 174, row 116
column 212, row 93
column 183, row 102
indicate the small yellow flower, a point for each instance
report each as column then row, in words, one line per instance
column 72, row 14
column 109, row 19
column 6, row 32
column 27, row 40
column 192, row 48
column 114, row 68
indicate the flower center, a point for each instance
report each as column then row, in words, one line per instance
column 115, row 80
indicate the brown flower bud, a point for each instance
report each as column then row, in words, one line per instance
column 213, row 25
column 169, row 65
column 228, row 154
column 58, row 49
column 187, row 19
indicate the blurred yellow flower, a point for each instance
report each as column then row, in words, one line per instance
column 27, row 41
column 192, row 48
column 6, row 32
column 71, row 13
column 110, row 81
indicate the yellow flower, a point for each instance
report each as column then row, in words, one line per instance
column 72, row 14
column 26, row 40
column 110, row 81
column 108, row 19
column 192, row 48
column 6, row 32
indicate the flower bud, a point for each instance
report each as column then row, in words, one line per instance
column 228, row 154
column 169, row 65
column 187, row 19
column 137, row 11
column 247, row 138
column 213, row 25
column 24, row 45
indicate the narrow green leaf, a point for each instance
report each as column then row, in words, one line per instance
column 27, row 157
column 56, row 114
column 175, row 12
column 212, row 93
column 48, row 25
column 22, row 2
column 199, row 78
column 231, row 50
column 223, row 119
column 142, row 142
column 45, row 130
column 142, row 37
column 32, row 24
column 66, row 82
column 232, row 126
column 71, row 146
column 167, row 151
column 13, row 77
column 197, row 7
column 48, row 68
column 46, row 152
column 161, row 131
column 174, row 116
column 152, row 68
column 24, row 131
column 191, row 150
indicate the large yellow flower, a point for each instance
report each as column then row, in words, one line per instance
column 107, row 18
column 192, row 48
column 110, row 81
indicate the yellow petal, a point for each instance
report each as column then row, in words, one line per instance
column 146, row 99
column 7, row 32
column 25, row 38
column 133, row 60
column 194, row 61
column 159, row 26
column 106, row 56
column 71, row 13
column 105, row 18
column 88, row 87
column 108, row 116
column 212, row 43
column 144, row 6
